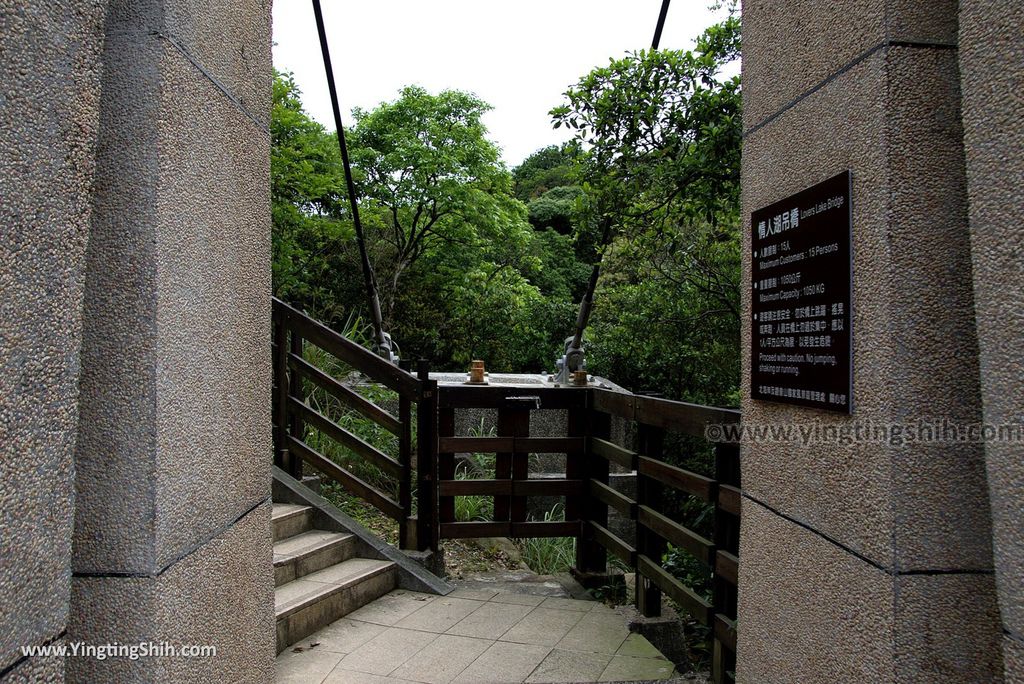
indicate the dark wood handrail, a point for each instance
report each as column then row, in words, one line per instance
column 346, row 395
column 346, row 439
column 346, row 479
column 293, row 414
column 653, row 417
column 587, row 486
column 359, row 357
column 676, row 416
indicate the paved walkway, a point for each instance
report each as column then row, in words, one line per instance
column 473, row 636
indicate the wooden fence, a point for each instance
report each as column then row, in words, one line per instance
column 589, row 453
column 653, row 418
column 294, row 378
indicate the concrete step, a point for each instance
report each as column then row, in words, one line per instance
column 309, row 603
column 310, row 551
column 289, row 520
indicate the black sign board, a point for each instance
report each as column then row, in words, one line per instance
column 801, row 280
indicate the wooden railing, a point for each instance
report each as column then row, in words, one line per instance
column 589, row 452
column 294, row 380
column 653, row 418
column 512, row 446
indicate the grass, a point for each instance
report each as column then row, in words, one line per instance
column 548, row 555
column 364, row 513
column 364, row 428
column 476, row 508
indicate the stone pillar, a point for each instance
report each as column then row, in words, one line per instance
column 172, row 535
column 49, row 54
column 869, row 561
column 991, row 63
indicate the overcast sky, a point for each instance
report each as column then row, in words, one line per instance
column 518, row 55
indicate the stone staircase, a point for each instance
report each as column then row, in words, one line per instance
column 318, row 576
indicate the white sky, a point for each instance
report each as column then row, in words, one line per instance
column 517, row 55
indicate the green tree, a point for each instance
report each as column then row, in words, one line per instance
column 659, row 134
column 555, row 208
column 466, row 275
column 547, row 168
column 430, row 178
column 311, row 236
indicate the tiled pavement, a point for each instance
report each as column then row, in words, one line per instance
column 473, row 636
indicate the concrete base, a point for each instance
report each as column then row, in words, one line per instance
column 664, row 632
column 311, row 481
column 38, row 670
column 220, row 595
column 433, row 561
column 609, row 583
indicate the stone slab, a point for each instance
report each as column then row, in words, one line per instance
column 380, row 653
column 344, row 635
column 504, row 662
column 570, row 666
column 629, row 668
column 490, row 619
column 387, row 651
column 543, row 626
column 392, row 607
column 440, row 614
column 308, row 666
column 597, row 632
column 442, row 659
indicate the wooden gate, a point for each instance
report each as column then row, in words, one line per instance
column 425, row 463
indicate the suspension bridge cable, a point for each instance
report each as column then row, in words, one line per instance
column 381, row 338
column 661, row 24
column 573, row 358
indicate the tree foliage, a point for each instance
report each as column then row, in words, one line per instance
column 463, row 274
column 476, row 261
column 432, row 180
column 547, row 168
column 659, row 137
column 660, row 133
column 311, row 236
column 556, row 208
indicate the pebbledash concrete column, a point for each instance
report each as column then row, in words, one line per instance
column 870, row 560
column 172, row 540
column 991, row 60
column 49, row 100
